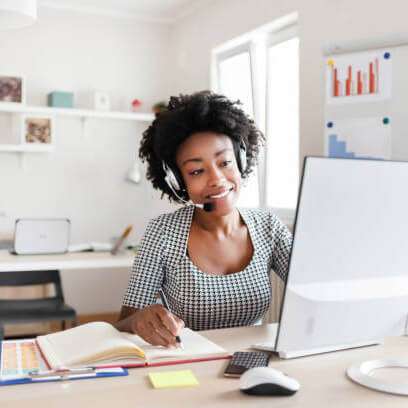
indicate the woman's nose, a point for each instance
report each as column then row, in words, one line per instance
column 216, row 177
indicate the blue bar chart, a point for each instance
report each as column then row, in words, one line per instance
column 364, row 138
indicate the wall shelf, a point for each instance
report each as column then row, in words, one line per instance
column 25, row 148
column 81, row 113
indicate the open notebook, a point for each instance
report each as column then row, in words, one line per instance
column 99, row 344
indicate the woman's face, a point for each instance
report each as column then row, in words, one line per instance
column 209, row 169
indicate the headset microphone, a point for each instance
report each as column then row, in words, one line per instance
column 206, row 206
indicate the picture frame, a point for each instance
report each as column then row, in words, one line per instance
column 12, row 89
column 37, row 130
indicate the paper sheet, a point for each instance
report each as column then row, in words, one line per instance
column 359, row 77
column 365, row 138
column 19, row 357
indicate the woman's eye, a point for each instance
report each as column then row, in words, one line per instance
column 195, row 172
column 226, row 163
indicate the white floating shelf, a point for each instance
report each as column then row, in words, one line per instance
column 32, row 148
column 82, row 113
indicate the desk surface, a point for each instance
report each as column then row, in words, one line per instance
column 323, row 382
column 78, row 260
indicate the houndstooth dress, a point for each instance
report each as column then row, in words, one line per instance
column 202, row 300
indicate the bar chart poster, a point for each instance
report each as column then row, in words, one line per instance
column 359, row 77
column 361, row 138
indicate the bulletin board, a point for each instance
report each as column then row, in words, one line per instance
column 366, row 102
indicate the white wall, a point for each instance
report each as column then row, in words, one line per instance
column 84, row 179
column 320, row 21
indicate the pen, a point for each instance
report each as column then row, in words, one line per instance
column 121, row 239
column 61, row 372
column 166, row 305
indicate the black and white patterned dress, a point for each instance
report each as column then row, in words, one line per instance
column 202, row 300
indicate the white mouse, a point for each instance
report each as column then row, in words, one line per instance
column 267, row 381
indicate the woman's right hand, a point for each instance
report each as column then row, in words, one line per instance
column 156, row 325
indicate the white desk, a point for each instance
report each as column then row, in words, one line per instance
column 79, row 260
column 323, row 382
column 106, row 286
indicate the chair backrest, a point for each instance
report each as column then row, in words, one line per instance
column 30, row 278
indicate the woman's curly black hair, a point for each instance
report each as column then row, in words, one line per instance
column 189, row 114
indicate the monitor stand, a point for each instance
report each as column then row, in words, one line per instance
column 361, row 374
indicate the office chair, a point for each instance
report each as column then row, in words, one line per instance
column 15, row 311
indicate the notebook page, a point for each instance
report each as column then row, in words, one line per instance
column 195, row 346
column 86, row 343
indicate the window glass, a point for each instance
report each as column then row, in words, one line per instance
column 283, row 124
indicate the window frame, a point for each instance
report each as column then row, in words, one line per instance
column 228, row 51
column 274, row 38
column 220, row 56
column 257, row 43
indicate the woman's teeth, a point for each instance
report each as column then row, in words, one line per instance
column 220, row 195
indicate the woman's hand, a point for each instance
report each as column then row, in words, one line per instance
column 156, row 325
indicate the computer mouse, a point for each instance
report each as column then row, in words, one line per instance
column 267, row 381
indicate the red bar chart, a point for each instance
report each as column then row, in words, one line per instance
column 358, row 77
column 353, row 81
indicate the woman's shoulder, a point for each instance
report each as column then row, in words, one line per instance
column 264, row 220
column 171, row 230
column 173, row 219
column 260, row 215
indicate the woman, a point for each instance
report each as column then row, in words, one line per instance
column 212, row 263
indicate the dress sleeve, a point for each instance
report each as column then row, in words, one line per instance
column 147, row 272
column 282, row 246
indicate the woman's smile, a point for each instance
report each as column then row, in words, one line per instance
column 222, row 194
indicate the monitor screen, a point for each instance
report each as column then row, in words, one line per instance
column 348, row 276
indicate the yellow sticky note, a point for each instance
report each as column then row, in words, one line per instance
column 168, row 379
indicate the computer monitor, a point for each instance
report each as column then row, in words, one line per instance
column 348, row 277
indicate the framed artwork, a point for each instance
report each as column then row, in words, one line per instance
column 12, row 89
column 37, row 129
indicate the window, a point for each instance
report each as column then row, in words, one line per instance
column 261, row 69
column 282, row 124
column 235, row 79
column 235, row 82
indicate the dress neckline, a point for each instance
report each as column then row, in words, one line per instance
column 251, row 232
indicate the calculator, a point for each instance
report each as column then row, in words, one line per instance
column 244, row 360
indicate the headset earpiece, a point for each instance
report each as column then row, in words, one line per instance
column 170, row 178
column 242, row 164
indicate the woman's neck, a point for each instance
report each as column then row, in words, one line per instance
column 219, row 226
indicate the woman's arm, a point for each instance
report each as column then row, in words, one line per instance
column 140, row 314
column 282, row 239
column 124, row 323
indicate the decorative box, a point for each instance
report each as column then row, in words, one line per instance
column 59, row 99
